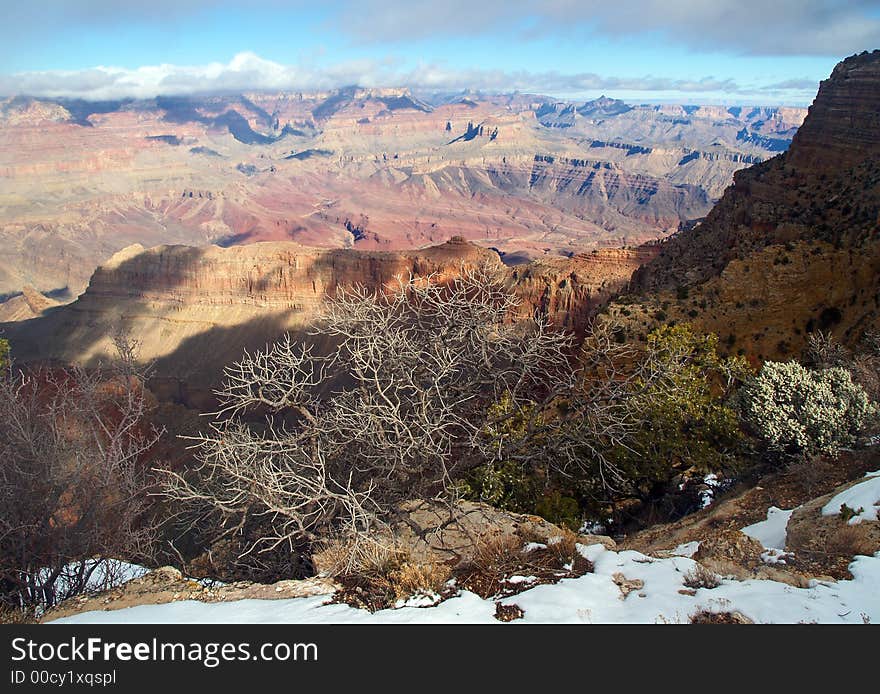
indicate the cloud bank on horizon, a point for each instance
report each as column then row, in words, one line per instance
column 401, row 43
column 249, row 72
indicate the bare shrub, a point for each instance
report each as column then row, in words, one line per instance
column 431, row 382
column 865, row 370
column 73, row 480
column 400, row 410
column 823, row 351
column 700, row 577
column 227, row 559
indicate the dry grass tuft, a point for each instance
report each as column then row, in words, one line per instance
column 849, row 541
column 707, row 617
column 409, row 580
column 701, row 577
column 501, row 555
column 375, row 575
column 498, row 559
column 564, row 547
column 508, row 613
column 343, row 556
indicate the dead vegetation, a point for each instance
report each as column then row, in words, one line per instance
column 74, row 480
column 508, row 613
column 499, row 560
column 833, row 555
column 375, row 575
column 707, row 617
column 849, row 541
column 701, row 577
column 401, row 410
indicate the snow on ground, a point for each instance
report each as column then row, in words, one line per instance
column 115, row 571
column 707, row 496
column 770, row 532
column 775, row 556
column 864, row 496
column 106, row 573
column 591, row 599
column 688, row 549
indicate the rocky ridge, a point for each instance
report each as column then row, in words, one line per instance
column 86, row 180
column 793, row 245
column 194, row 309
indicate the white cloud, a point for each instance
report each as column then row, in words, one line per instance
column 249, row 72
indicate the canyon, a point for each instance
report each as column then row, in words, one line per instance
column 790, row 248
column 193, row 310
column 367, row 169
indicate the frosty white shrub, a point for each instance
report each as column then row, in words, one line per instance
column 796, row 410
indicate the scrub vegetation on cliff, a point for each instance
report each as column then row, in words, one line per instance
column 469, row 432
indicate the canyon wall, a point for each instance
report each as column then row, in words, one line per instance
column 379, row 169
column 794, row 245
column 194, row 309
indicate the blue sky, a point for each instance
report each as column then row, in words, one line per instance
column 723, row 51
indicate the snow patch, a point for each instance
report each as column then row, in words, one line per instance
column 591, row 598
column 707, row 496
column 773, row 556
column 688, row 549
column 522, row 579
column 863, row 498
column 532, row 546
column 770, row 532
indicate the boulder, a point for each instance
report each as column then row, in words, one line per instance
column 735, row 555
column 434, row 532
column 730, row 552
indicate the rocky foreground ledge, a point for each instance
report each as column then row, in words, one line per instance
column 741, row 560
column 168, row 585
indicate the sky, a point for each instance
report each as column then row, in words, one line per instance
column 693, row 51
